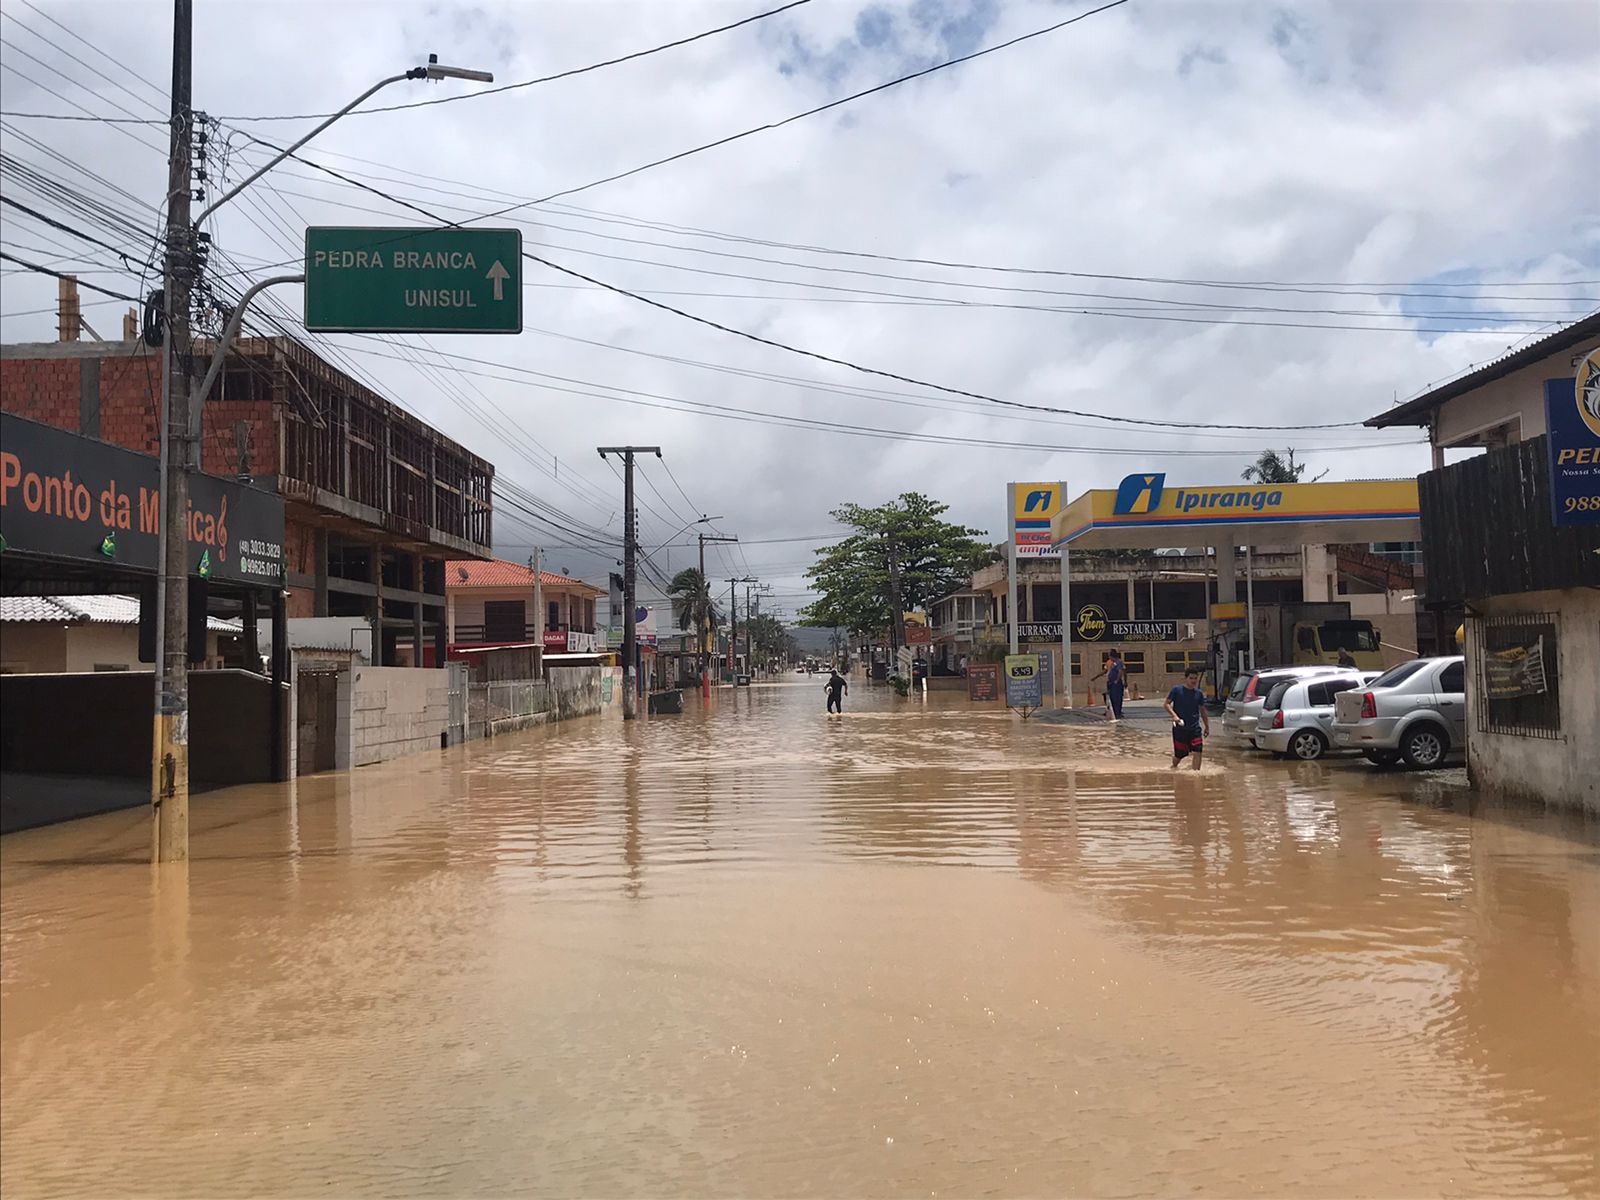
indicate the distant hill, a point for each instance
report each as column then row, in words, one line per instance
column 812, row 639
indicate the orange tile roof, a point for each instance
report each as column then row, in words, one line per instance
column 497, row 573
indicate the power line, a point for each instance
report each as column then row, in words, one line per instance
column 568, row 74
column 811, row 112
column 68, row 275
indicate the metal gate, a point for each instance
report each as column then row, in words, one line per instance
column 457, row 732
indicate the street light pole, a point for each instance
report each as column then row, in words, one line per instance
column 179, row 429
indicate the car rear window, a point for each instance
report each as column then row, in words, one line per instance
column 1398, row 675
column 1276, row 695
column 1453, row 678
column 1320, row 695
column 1238, row 687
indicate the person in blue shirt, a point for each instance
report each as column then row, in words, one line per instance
column 1186, row 705
column 1116, row 673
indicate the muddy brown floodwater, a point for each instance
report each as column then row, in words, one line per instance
column 917, row 950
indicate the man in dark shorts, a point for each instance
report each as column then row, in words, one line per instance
column 837, row 689
column 1186, row 705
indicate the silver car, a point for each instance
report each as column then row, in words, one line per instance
column 1416, row 712
column 1297, row 718
column 1249, row 695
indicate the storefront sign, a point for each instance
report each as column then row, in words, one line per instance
column 1023, row 682
column 1572, row 414
column 582, row 643
column 983, row 681
column 918, row 635
column 555, row 640
column 1097, row 627
column 70, row 497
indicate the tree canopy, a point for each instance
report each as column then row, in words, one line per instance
column 1272, row 467
column 851, row 576
column 692, row 602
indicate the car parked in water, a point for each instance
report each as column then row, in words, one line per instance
column 1243, row 707
column 1416, row 712
column 1297, row 718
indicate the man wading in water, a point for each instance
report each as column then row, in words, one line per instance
column 837, row 689
column 1186, row 705
column 1116, row 680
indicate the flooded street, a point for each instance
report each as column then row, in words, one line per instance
column 916, row 950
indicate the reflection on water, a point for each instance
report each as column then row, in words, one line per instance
column 754, row 951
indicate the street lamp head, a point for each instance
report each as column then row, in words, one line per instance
column 436, row 71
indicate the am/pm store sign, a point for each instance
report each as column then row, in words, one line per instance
column 377, row 279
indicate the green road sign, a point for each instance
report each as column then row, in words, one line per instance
column 396, row 280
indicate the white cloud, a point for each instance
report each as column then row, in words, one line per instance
column 1322, row 142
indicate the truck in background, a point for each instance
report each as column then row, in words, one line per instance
column 1314, row 633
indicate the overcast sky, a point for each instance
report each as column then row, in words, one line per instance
column 1392, row 143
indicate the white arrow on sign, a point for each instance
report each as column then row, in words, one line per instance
column 499, row 274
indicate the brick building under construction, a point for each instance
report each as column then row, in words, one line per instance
column 375, row 500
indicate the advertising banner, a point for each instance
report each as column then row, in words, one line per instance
column 70, row 497
column 1517, row 671
column 983, row 681
column 1572, row 414
column 918, row 635
column 1035, row 507
column 1023, row 681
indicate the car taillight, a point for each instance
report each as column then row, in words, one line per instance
column 1277, row 719
column 1369, row 706
column 1250, row 689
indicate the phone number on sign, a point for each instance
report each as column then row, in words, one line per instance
column 1582, row 503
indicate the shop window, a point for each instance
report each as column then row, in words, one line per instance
column 503, row 621
column 1077, row 667
column 1179, row 661
column 1517, row 672
column 1133, row 661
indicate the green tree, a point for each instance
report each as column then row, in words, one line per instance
column 692, row 602
column 1272, row 467
column 852, row 576
column 769, row 640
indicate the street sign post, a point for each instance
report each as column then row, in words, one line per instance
column 399, row 280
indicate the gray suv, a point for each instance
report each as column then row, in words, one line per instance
column 1416, row 712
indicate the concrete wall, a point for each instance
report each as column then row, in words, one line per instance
column 40, row 647
column 397, row 710
column 576, row 691
column 1564, row 772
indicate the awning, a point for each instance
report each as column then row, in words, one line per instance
column 1145, row 513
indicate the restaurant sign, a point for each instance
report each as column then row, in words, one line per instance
column 68, row 497
column 1093, row 625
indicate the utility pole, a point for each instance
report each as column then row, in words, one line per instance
column 535, row 564
column 733, row 618
column 896, row 625
column 169, row 784
column 630, row 549
column 705, row 616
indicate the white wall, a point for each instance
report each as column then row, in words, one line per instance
column 1566, row 771
column 51, row 649
column 398, row 710
column 1518, row 396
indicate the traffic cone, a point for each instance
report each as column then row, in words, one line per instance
column 1088, row 695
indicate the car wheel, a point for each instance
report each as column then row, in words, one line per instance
column 1424, row 747
column 1381, row 758
column 1308, row 745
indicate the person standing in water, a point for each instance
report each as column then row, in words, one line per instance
column 837, row 689
column 1186, row 705
column 1116, row 673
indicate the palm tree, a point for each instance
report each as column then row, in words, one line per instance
column 692, row 601
column 1272, row 467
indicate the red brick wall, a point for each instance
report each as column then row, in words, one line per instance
column 41, row 389
column 49, row 390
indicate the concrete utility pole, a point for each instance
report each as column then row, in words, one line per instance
column 705, row 617
column 733, row 620
column 169, row 784
column 536, row 565
column 630, row 549
column 1011, row 567
column 896, row 626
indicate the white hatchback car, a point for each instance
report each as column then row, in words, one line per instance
column 1297, row 718
column 1249, row 696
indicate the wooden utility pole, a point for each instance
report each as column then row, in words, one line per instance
column 630, row 549
column 169, row 791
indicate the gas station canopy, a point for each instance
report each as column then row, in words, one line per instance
column 1144, row 513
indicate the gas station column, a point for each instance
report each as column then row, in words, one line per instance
column 1227, row 574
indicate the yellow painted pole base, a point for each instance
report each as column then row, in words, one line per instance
column 169, row 789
